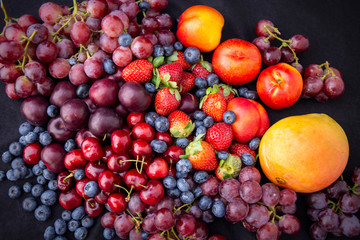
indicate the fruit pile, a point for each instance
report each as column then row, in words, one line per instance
column 127, row 122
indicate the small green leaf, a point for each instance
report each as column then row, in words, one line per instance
column 150, row 59
column 202, row 101
column 166, row 77
column 171, row 84
column 174, row 132
column 215, row 89
column 177, row 95
column 158, row 61
column 206, row 65
column 156, row 80
column 184, row 156
column 173, row 57
column 208, row 90
column 171, row 91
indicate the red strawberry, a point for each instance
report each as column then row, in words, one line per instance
column 220, row 136
column 140, row 71
column 201, row 155
column 172, row 72
column 214, row 105
column 178, row 57
column 240, row 148
column 167, row 100
column 187, row 82
column 227, row 91
column 229, row 168
column 180, row 124
column 202, row 69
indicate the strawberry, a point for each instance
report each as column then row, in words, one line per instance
column 167, row 100
column 227, row 91
column 229, row 168
column 202, row 69
column 178, row 57
column 220, row 136
column 240, row 148
column 187, row 82
column 180, row 124
column 201, row 154
column 214, row 104
column 140, row 71
column 171, row 72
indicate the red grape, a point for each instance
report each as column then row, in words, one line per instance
column 299, row 43
column 50, row 12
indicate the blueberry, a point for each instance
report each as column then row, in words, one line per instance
column 109, row 66
column 29, row 174
column 22, row 141
column 79, row 174
column 181, row 174
column 109, row 233
column 38, row 130
column 52, row 185
column 197, row 191
column 49, row 175
column 42, row 164
column 80, row 233
column 183, row 166
column 168, row 49
column 212, row 79
column 45, row 138
column 222, row 155
column 200, row 176
column 41, row 180
column 72, row 61
column 150, row 118
column 23, row 171
column 162, row 124
column 242, row 91
column 250, row 94
column 192, row 55
column 29, row 204
column 178, row 46
column 247, row 159
column 182, row 185
column 158, row 146
column 17, row 173
column 82, row 91
column 70, row 145
column 144, row 6
column 200, row 130
column 66, row 215
column 218, row 209
column 150, row 87
column 254, row 143
column 11, row 176
column 42, row 213
column 16, row 149
column 87, row 222
column 205, row 203
column 60, row 238
column 91, row 189
column 173, row 193
column 14, row 192
column 2, row 175
column 229, row 117
column 60, row 226
column 37, row 170
column 158, row 51
column 73, row 225
column 199, row 115
column 27, row 187
column 17, row 163
column 49, row 233
column 25, row 128
column 31, row 137
column 6, row 157
column 182, row 142
column 208, row 121
column 187, row 197
column 37, row 190
column 198, row 123
column 48, row 198
column 52, row 111
column 200, row 82
column 169, row 182
column 78, row 213
column 201, row 92
column 125, row 40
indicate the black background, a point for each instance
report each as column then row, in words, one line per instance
column 333, row 28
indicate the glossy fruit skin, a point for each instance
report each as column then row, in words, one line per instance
column 31, row 153
column 236, row 61
column 63, row 184
column 93, row 208
column 279, row 86
column 200, row 26
column 70, row 199
column 107, row 181
column 316, row 157
column 120, row 141
column 53, row 157
column 264, row 119
column 153, row 193
column 117, row 202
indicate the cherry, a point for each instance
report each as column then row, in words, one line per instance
column 157, row 169
column 143, row 131
column 165, row 137
column 74, row 160
column 107, row 181
column 93, row 208
column 135, row 179
column 31, row 153
column 94, row 169
column 108, row 151
column 53, row 157
column 120, row 141
column 64, row 181
column 102, row 197
column 70, row 199
column 134, row 118
column 117, row 202
column 108, row 219
column 118, row 163
column 80, row 185
column 173, row 153
column 82, row 135
column 91, row 148
column 153, row 193
column 141, row 149
column 172, row 172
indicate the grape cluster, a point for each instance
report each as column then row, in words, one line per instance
column 333, row 209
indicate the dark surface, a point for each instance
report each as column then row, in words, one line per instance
column 333, row 28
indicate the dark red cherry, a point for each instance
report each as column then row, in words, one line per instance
column 64, row 181
column 153, row 193
column 92, row 150
column 94, row 169
column 120, row 141
column 118, row 163
column 70, row 199
column 117, row 202
column 93, row 208
column 108, row 180
column 74, row 160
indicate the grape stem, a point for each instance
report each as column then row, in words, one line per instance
column 67, row 177
column 25, row 50
column 6, row 17
column 136, row 220
column 173, row 231
column 185, row 205
column 327, row 70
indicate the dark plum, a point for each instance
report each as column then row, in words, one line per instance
column 53, row 157
column 104, row 92
column 134, row 97
column 34, row 110
column 75, row 114
column 189, row 103
column 58, row 130
column 62, row 92
column 104, row 120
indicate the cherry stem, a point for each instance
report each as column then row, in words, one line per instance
column 142, row 165
column 25, row 50
column 353, row 189
column 127, row 199
column 127, row 191
column 145, row 187
column 68, row 176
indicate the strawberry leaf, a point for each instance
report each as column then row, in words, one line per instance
column 171, row 84
column 166, row 77
column 158, row 61
column 202, row 101
column 150, row 59
column 206, row 65
column 173, row 57
column 156, row 79
column 184, row 156
column 177, row 95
